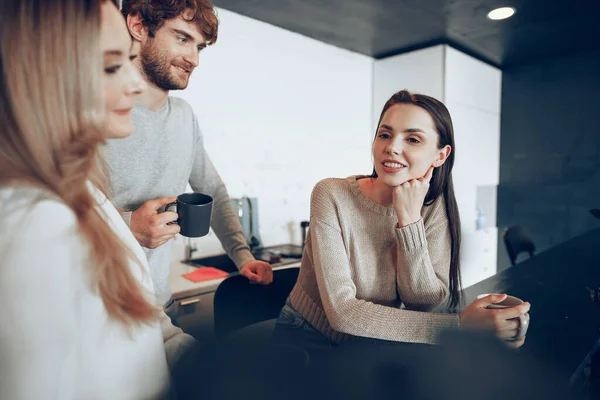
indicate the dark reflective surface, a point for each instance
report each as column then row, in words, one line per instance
column 565, row 320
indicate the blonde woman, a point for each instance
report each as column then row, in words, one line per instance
column 80, row 318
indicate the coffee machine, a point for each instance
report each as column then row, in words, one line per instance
column 246, row 209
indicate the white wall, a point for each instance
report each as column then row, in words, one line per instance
column 420, row 71
column 471, row 91
column 279, row 111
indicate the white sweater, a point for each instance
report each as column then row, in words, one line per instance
column 56, row 340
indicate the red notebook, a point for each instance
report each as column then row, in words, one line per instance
column 205, row 274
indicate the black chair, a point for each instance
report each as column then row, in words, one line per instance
column 238, row 303
column 517, row 241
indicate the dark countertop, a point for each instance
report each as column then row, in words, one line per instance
column 565, row 321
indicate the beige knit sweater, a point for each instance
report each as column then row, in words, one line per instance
column 363, row 276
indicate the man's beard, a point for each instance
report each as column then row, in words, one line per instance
column 157, row 69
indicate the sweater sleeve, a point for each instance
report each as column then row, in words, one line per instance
column 423, row 260
column 177, row 343
column 344, row 311
column 41, row 261
column 204, row 178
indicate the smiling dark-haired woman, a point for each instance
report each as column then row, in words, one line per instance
column 383, row 249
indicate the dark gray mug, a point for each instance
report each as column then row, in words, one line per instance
column 194, row 210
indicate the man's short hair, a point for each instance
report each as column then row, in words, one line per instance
column 154, row 13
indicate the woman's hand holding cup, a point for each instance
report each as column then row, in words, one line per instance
column 506, row 315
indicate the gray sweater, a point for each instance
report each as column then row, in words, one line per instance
column 164, row 153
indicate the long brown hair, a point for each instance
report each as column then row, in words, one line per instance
column 441, row 182
column 52, row 113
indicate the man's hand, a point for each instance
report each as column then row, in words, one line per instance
column 150, row 227
column 257, row 272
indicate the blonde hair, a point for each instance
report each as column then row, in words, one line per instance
column 52, row 113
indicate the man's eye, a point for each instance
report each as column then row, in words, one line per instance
column 182, row 39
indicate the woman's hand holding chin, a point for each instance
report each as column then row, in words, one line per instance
column 408, row 198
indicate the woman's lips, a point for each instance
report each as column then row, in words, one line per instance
column 392, row 166
column 391, row 169
column 123, row 112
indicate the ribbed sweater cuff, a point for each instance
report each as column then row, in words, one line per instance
column 450, row 320
column 412, row 237
column 443, row 322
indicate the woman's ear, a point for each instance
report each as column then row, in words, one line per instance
column 442, row 155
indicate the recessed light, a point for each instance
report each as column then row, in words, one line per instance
column 501, row 13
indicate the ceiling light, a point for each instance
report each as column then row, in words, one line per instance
column 501, row 13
